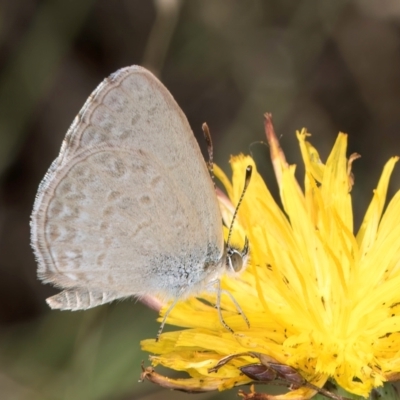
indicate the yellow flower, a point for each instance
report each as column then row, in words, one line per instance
column 320, row 298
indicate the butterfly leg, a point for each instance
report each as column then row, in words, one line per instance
column 170, row 308
column 218, row 306
column 219, row 290
column 238, row 308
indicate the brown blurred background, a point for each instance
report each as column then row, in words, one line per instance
column 328, row 65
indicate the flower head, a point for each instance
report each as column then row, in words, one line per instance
column 322, row 300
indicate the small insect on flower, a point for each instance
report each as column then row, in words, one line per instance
column 322, row 299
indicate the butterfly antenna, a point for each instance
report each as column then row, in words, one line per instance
column 210, row 149
column 247, row 178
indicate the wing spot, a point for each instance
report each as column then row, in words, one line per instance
column 75, row 196
column 153, row 110
column 104, row 226
column 110, row 279
column 107, row 242
column 64, row 188
column 156, row 181
column 116, row 168
column 53, row 232
column 124, row 134
column 108, row 211
column 55, row 209
column 126, row 202
column 114, row 195
column 145, row 200
column 135, row 119
column 70, row 234
column 100, row 259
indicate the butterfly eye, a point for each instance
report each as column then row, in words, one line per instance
column 236, row 260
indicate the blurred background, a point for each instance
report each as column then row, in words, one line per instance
column 328, row 65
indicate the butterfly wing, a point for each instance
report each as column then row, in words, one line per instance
column 128, row 207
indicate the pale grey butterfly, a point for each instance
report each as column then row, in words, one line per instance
column 128, row 208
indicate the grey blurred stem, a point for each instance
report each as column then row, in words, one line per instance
column 167, row 15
